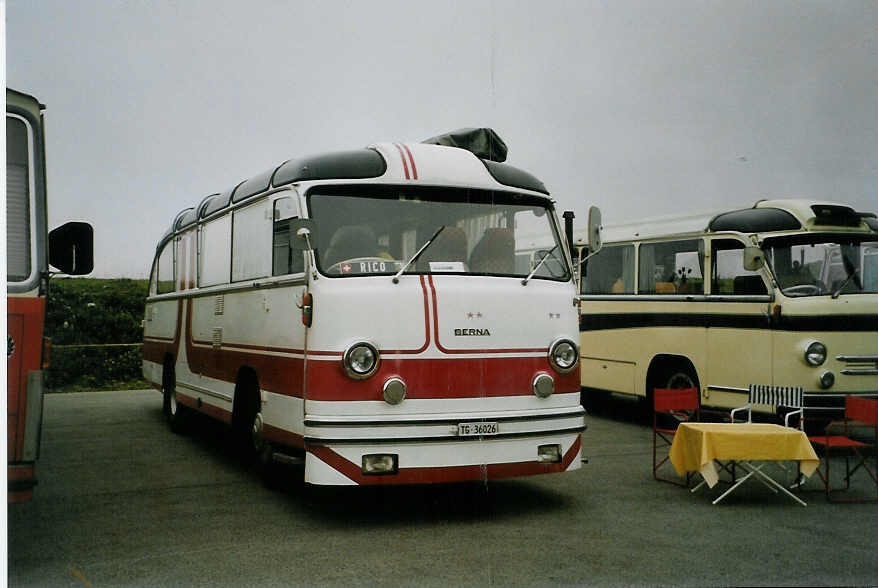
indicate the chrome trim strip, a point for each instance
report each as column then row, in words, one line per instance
column 445, row 419
column 444, row 439
column 858, row 358
column 729, row 389
column 861, row 372
column 205, row 391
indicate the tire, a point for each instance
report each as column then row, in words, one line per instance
column 673, row 375
column 247, row 420
column 175, row 413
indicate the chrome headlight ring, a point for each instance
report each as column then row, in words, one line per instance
column 361, row 360
column 815, row 353
column 563, row 355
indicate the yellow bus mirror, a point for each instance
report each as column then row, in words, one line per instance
column 754, row 258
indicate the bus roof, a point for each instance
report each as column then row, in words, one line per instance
column 765, row 216
column 466, row 157
column 22, row 100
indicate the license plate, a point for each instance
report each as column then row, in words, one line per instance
column 477, row 429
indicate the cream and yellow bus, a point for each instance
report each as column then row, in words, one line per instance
column 783, row 293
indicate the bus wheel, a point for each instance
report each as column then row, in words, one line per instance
column 175, row 412
column 247, row 418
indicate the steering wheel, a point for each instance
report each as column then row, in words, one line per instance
column 803, row 290
column 363, row 265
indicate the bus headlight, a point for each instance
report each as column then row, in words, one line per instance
column 563, row 355
column 360, row 360
column 815, row 354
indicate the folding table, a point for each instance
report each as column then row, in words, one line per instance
column 700, row 446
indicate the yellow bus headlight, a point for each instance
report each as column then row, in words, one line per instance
column 815, row 354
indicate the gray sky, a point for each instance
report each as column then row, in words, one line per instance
column 643, row 107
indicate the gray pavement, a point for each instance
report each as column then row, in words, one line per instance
column 123, row 501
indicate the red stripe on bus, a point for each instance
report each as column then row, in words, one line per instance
column 210, row 410
column 442, row 475
column 489, row 377
column 282, row 436
column 405, row 165
column 412, row 160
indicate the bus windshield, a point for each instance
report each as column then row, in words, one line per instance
column 372, row 230
column 819, row 265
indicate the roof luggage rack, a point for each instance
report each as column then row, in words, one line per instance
column 484, row 143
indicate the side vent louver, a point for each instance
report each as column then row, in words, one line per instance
column 219, row 305
column 217, row 337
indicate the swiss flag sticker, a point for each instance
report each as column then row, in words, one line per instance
column 346, row 268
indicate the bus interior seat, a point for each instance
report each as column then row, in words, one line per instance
column 450, row 245
column 618, row 287
column 748, row 285
column 494, row 253
column 665, row 288
column 350, row 242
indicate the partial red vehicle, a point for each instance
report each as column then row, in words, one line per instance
column 29, row 251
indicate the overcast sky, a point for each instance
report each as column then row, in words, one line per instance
column 643, row 108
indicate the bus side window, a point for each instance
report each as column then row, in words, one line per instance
column 729, row 275
column 165, row 270
column 674, row 267
column 610, row 271
column 285, row 259
column 215, row 251
column 251, row 242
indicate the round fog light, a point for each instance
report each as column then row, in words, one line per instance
column 827, row 379
column 543, row 385
column 815, row 354
column 394, row 391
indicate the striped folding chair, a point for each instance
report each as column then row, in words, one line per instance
column 789, row 401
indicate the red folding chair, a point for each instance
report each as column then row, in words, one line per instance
column 672, row 406
column 859, row 414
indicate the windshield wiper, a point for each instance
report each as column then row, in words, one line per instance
column 851, row 271
column 417, row 255
column 534, row 270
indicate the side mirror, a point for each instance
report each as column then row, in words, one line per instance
column 71, row 248
column 594, row 230
column 754, row 258
column 302, row 234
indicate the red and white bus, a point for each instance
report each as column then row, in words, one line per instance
column 28, row 253
column 365, row 312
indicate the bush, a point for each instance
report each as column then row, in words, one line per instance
column 87, row 311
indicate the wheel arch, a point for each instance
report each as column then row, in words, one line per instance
column 247, row 394
column 663, row 362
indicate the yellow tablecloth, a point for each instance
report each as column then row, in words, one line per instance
column 697, row 445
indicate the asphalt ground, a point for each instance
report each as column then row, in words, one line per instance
column 122, row 501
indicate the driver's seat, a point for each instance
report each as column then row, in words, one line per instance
column 494, row 253
column 350, row 242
